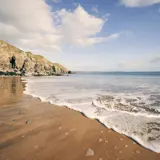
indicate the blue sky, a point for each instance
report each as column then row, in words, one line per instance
column 115, row 35
column 136, row 47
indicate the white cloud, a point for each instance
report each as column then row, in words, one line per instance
column 139, row 3
column 56, row 1
column 106, row 16
column 28, row 24
column 131, row 65
column 113, row 36
column 32, row 25
column 155, row 60
column 84, row 29
column 95, row 9
column 96, row 40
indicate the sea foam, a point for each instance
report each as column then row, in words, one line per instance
column 128, row 105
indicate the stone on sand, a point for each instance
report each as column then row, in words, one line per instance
column 90, row 152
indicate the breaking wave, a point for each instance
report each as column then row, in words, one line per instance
column 130, row 105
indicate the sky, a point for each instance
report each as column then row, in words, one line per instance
column 86, row 35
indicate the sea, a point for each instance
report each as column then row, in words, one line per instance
column 127, row 102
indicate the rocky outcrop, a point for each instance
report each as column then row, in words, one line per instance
column 35, row 64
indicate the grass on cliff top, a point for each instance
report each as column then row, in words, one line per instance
column 60, row 66
column 38, row 57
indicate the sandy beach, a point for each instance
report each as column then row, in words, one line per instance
column 32, row 130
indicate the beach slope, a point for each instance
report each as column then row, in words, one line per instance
column 32, row 130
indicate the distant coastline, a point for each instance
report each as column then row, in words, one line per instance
column 143, row 73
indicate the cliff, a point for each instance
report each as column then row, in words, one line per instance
column 43, row 66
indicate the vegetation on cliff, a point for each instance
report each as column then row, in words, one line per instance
column 43, row 66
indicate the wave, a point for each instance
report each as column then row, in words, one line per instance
column 130, row 105
column 134, row 116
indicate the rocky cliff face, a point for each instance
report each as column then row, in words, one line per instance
column 43, row 66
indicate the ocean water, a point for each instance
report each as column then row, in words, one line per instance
column 129, row 103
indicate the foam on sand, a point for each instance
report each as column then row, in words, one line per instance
column 128, row 107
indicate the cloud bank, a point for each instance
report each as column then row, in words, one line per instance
column 139, row 3
column 95, row 9
column 56, row 1
column 155, row 60
column 32, row 25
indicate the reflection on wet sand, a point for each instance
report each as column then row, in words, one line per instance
column 11, row 89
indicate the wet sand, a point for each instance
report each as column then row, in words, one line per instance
column 32, row 130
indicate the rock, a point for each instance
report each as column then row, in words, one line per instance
column 126, row 146
column 26, row 61
column 60, row 128
column 102, row 132
column 20, row 112
column 138, row 152
column 120, row 152
column 28, row 121
column 70, row 72
column 106, row 141
column 115, row 147
column 90, row 152
column 66, row 133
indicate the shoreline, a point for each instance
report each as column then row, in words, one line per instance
column 138, row 140
column 101, row 123
column 39, row 130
